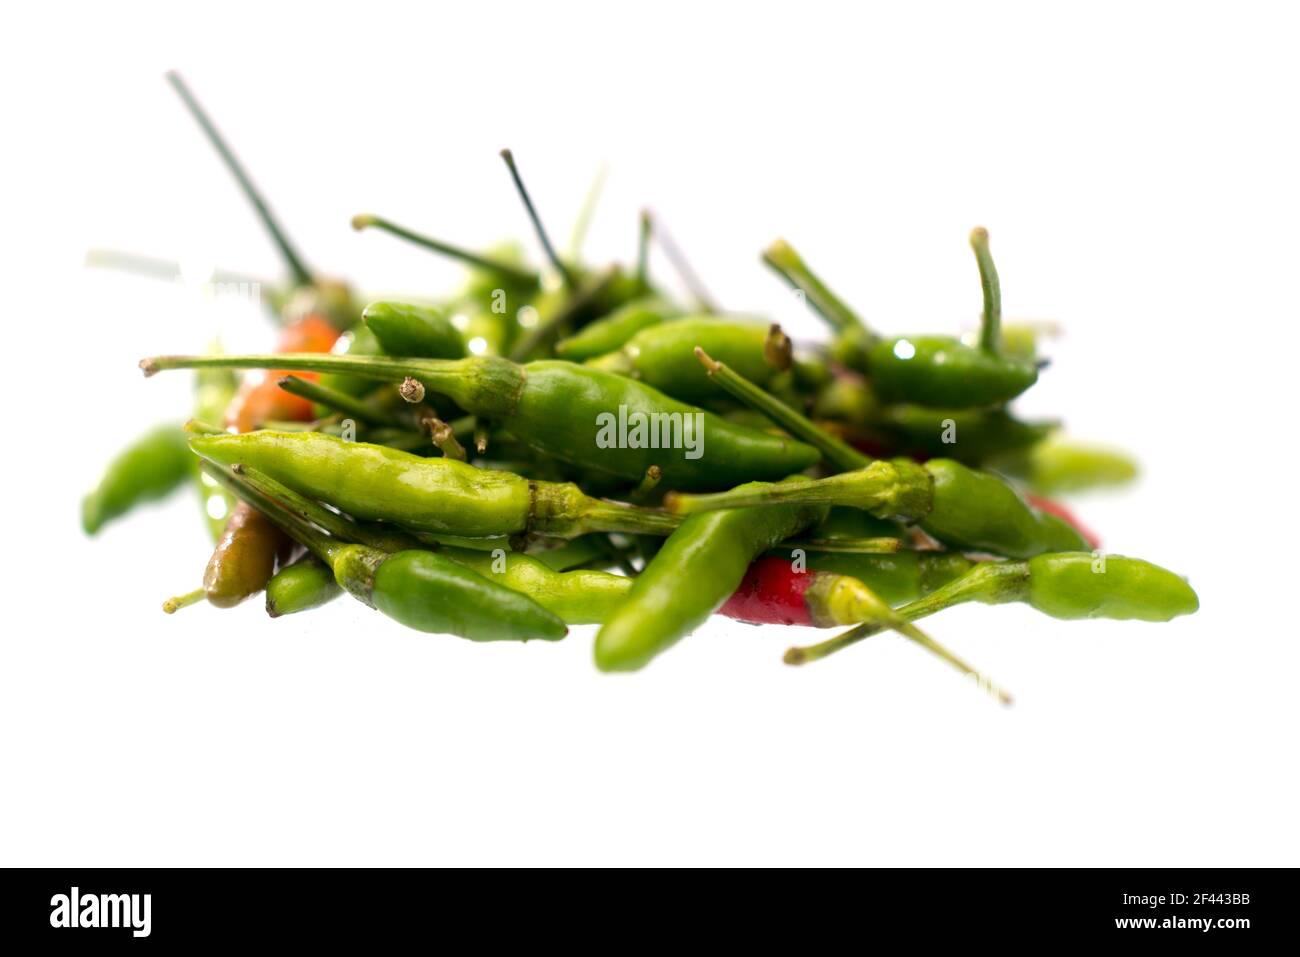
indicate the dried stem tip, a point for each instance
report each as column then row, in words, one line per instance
column 412, row 390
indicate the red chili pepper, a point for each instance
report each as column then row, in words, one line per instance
column 261, row 399
column 771, row 593
column 775, row 592
column 1052, row 507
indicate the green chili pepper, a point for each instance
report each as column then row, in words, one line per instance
column 577, row 597
column 614, row 330
column 591, row 419
column 971, row 436
column 1055, row 466
column 402, row 329
column 959, row 506
column 936, row 371
column 150, row 468
column 696, row 571
column 944, row 372
column 1069, row 585
column 299, row 586
column 663, row 355
column 419, row 589
column 440, row 495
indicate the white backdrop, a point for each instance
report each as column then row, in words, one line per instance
column 1136, row 166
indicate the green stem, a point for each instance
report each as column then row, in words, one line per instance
column 883, row 545
column 548, row 328
column 865, row 489
column 839, row 453
column 292, row 524
column 516, row 273
column 565, row 273
column 643, row 251
column 338, row 401
column 173, row 605
column 991, row 583
column 694, row 286
column 587, row 211
column 301, row 275
column 444, row 437
column 788, row 264
column 991, row 321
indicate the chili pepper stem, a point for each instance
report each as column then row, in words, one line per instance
column 853, row 546
column 694, row 286
column 838, row 452
column 175, row 604
column 444, row 437
column 366, row 221
column 786, row 263
column 336, row 400
column 301, row 274
column 991, row 583
column 879, row 485
column 293, row 525
column 646, row 227
column 840, row 599
column 587, row 211
column 778, row 350
column 565, row 272
column 991, row 320
column 583, row 297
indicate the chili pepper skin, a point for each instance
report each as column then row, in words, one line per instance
column 971, row 436
column 148, row 469
column 611, row 332
column 1083, row 585
column 299, row 586
column 408, row 330
column 437, row 495
column 1050, row 507
column 959, row 506
column 692, row 576
column 244, row 559
column 558, row 407
column 432, row 593
column 578, row 597
column 1057, row 466
column 943, row 372
column 663, row 356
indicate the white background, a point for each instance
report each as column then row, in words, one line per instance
column 1136, row 166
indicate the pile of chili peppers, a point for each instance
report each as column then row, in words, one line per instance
column 573, row 445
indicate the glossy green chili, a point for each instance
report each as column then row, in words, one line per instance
column 663, row 355
column 936, row 371
column 301, row 585
column 1056, row 466
column 595, row 420
column 148, row 469
column 402, row 329
column 691, row 577
column 437, row 495
column 611, row 332
column 1069, row 585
